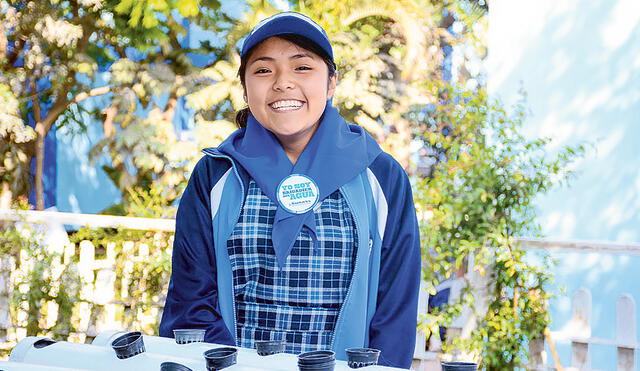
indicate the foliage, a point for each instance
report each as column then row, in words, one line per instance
column 51, row 53
column 479, row 196
column 159, row 159
column 43, row 45
column 140, row 140
column 14, row 137
column 146, row 276
column 41, row 277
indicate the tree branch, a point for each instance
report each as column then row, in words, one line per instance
column 37, row 94
column 3, row 41
column 109, row 114
column 17, row 48
column 37, row 111
column 91, row 93
column 61, row 104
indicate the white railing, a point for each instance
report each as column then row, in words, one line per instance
column 89, row 220
column 98, row 310
column 578, row 331
column 580, row 246
column 100, row 278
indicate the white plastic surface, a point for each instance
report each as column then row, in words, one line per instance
column 92, row 357
column 20, row 366
column 248, row 359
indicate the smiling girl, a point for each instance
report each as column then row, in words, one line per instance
column 298, row 226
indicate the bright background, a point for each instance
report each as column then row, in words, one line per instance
column 579, row 65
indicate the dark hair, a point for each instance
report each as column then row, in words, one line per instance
column 301, row 41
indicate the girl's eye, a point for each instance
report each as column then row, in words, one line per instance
column 262, row 70
column 303, row 68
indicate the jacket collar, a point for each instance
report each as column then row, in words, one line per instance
column 336, row 153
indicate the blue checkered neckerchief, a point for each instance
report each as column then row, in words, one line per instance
column 299, row 302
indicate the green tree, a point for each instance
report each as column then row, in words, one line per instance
column 15, row 135
column 161, row 161
column 478, row 198
column 36, row 274
column 49, row 48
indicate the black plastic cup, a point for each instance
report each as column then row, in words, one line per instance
column 219, row 358
column 269, row 347
column 327, row 366
column 42, row 343
column 459, row 366
column 316, row 357
column 186, row 336
column 128, row 345
column 317, row 360
column 362, row 357
column 172, row 366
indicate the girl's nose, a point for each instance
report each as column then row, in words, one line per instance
column 283, row 82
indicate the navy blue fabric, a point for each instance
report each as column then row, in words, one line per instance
column 287, row 23
column 300, row 302
column 437, row 301
column 336, row 153
column 400, row 269
column 193, row 295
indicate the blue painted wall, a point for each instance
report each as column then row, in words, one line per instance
column 579, row 64
column 83, row 187
column 49, row 178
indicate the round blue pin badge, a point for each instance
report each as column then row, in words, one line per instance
column 298, row 193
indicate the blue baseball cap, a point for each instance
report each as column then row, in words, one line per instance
column 287, row 23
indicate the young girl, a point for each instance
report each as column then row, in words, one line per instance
column 298, row 226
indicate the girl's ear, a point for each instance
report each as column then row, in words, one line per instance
column 331, row 89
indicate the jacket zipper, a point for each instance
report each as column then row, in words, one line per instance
column 353, row 275
column 233, row 293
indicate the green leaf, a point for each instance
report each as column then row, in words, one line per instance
column 188, row 8
column 124, row 6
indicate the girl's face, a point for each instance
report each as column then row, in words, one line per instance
column 287, row 88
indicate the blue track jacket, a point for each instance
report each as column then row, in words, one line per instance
column 380, row 308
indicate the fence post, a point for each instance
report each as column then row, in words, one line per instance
column 127, row 251
column 6, row 266
column 626, row 332
column 581, row 328
column 85, row 269
column 421, row 339
column 110, row 308
column 537, row 354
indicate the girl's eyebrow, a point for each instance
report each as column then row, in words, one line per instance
column 270, row 59
column 301, row 55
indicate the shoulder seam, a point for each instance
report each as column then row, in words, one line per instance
column 380, row 201
column 215, row 195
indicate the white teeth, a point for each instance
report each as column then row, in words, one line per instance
column 286, row 105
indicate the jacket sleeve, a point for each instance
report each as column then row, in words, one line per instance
column 393, row 326
column 192, row 299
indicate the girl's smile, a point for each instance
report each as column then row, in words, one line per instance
column 287, row 89
column 286, row 105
